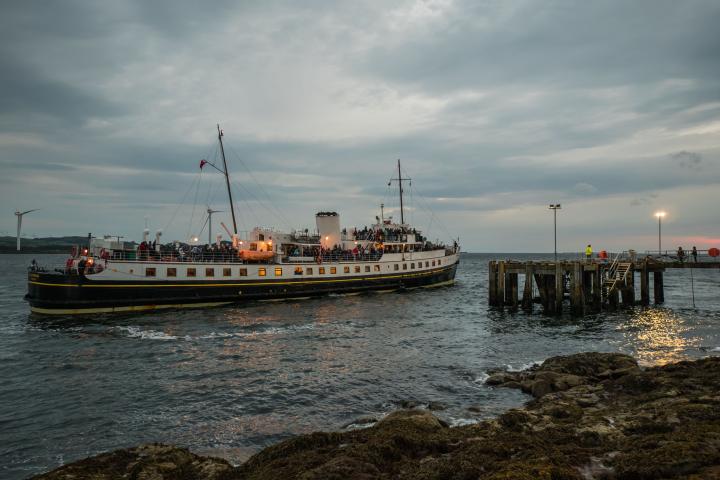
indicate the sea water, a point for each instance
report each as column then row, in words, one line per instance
column 228, row 381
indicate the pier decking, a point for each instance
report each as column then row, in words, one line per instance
column 588, row 286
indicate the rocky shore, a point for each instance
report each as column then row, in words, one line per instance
column 592, row 416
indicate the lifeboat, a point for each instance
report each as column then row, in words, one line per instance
column 255, row 255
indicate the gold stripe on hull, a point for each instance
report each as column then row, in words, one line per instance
column 131, row 308
column 440, row 284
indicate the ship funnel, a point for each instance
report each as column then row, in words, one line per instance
column 328, row 225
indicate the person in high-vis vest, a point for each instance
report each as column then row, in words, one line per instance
column 588, row 253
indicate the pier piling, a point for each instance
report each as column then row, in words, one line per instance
column 589, row 286
column 527, row 300
column 658, row 287
column 644, row 285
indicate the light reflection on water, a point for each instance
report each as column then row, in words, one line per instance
column 229, row 381
column 659, row 336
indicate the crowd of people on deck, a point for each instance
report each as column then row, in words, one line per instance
column 178, row 252
column 396, row 234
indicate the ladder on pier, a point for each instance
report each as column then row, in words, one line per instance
column 617, row 276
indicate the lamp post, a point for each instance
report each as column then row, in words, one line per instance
column 555, row 207
column 659, row 216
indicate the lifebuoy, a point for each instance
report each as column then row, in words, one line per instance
column 713, row 252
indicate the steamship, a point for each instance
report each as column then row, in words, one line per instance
column 108, row 275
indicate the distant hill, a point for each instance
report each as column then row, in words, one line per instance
column 41, row 245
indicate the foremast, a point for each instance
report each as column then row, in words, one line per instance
column 227, row 179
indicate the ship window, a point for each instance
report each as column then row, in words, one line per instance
column 172, row 272
column 243, row 272
column 209, row 272
column 321, row 270
column 150, row 272
column 427, row 264
column 412, row 265
column 377, row 268
column 397, row 267
column 367, row 268
column 357, row 268
column 404, row 266
column 333, row 270
column 190, row 272
column 261, row 272
column 278, row 271
column 439, row 262
column 298, row 271
column 309, row 271
column 227, row 272
column 433, row 263
column 346, row 269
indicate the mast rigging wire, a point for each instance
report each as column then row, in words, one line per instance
column 272, row 208
column 182, row 201
column 192, row 216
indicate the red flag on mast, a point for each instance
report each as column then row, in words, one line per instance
column 202, row 163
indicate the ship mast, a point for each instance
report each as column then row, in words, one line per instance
column 227, row 179
column 400, row 180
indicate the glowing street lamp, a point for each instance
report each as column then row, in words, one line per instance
column 555, row 207
column 659, row 216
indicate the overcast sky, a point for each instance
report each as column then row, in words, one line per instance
column 496, row 108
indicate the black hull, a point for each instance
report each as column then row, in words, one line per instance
column 50, row 293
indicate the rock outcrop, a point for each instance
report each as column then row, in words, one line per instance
column 593, row 415
column 147, row 462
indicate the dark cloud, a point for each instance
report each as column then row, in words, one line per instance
column 559, row 43
column 28, row 94
column 688, row 160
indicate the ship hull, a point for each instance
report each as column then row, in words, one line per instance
column 51, row 293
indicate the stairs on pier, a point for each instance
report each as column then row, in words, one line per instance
column 616, row 277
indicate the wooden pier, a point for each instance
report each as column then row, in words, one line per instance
column 588, row 286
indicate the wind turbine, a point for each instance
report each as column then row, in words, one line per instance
column 210, row 212
column 20, row 214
